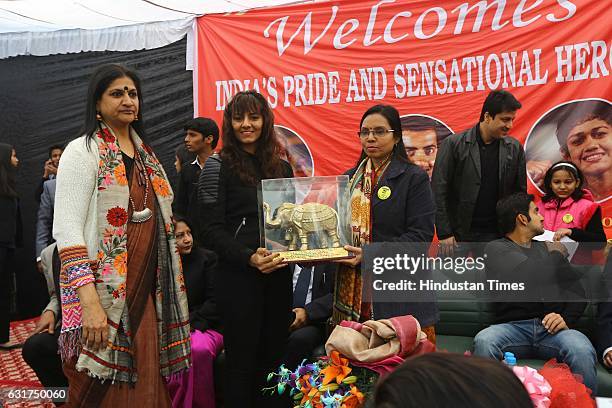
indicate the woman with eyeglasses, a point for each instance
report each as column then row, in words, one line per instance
column 391, row 201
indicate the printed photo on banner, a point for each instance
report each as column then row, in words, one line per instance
column 579, row 131
column 422, row 134
column 295, row 150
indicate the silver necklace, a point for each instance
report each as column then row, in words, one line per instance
column 144, row 214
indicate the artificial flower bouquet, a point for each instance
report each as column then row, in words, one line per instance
column 326, row 383
column 554, row 386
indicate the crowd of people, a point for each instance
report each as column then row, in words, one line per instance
column 147, row 286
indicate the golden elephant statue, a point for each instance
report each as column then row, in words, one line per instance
column 301, row 220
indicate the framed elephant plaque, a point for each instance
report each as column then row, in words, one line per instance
column 305, row 219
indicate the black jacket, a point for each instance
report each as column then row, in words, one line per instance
column 229, row 212
column 186, row 202
column 11, row 227
column 198, row 269
column 406, row 216
column 457, row 174
column 320, row 307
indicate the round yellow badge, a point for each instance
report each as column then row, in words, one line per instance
column 384, row 192
column 567, row 218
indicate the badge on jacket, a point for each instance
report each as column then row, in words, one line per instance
column 384, row 192
column 567, row 218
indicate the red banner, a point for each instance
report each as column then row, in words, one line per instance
column 322, row 64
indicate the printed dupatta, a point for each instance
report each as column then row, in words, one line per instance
column 349, row 283
column 110, row 273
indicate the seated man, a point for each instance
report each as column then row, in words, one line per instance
column 540, row 330
column 604, row 320
column 40, row 350
column 313, row 288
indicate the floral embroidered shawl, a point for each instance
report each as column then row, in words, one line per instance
column 109, row 272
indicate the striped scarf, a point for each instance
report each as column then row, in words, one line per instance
column 349, row 283
column 110, row 272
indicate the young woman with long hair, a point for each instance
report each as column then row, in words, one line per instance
column 253, row 286
column 10, row 236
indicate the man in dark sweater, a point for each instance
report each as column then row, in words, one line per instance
column 534, row 329
column 473, row 170
column 604, row 318
column 202, row 135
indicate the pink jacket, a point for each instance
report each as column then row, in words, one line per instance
column 577, row 214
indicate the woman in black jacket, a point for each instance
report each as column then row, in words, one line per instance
column 195, row 387
column 10, row 235
column 391, row 201
column 253, row 286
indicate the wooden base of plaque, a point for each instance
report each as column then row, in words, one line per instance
column 315, row 255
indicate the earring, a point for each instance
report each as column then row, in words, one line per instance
column 98, row 116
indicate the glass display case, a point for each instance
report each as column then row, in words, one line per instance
column 306, row 219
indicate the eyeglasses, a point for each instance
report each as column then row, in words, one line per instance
column 377, row 132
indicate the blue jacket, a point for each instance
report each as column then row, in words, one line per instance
column 406, row 216
column 44, row 224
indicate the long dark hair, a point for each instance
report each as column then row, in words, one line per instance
column 268, row 148
column 98, row 84
column 573, row 170
column 393, row 117
column 7, row 171
column 451, row 380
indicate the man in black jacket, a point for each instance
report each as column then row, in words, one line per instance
column 313, row 291
column 538, row 329
column 473, row 170
column 202, row 135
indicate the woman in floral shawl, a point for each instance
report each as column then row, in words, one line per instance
column 391, row 201
column 125, row 322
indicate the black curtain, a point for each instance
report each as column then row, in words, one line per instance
column 42, row 103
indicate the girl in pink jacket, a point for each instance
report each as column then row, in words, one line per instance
column 568, row 209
